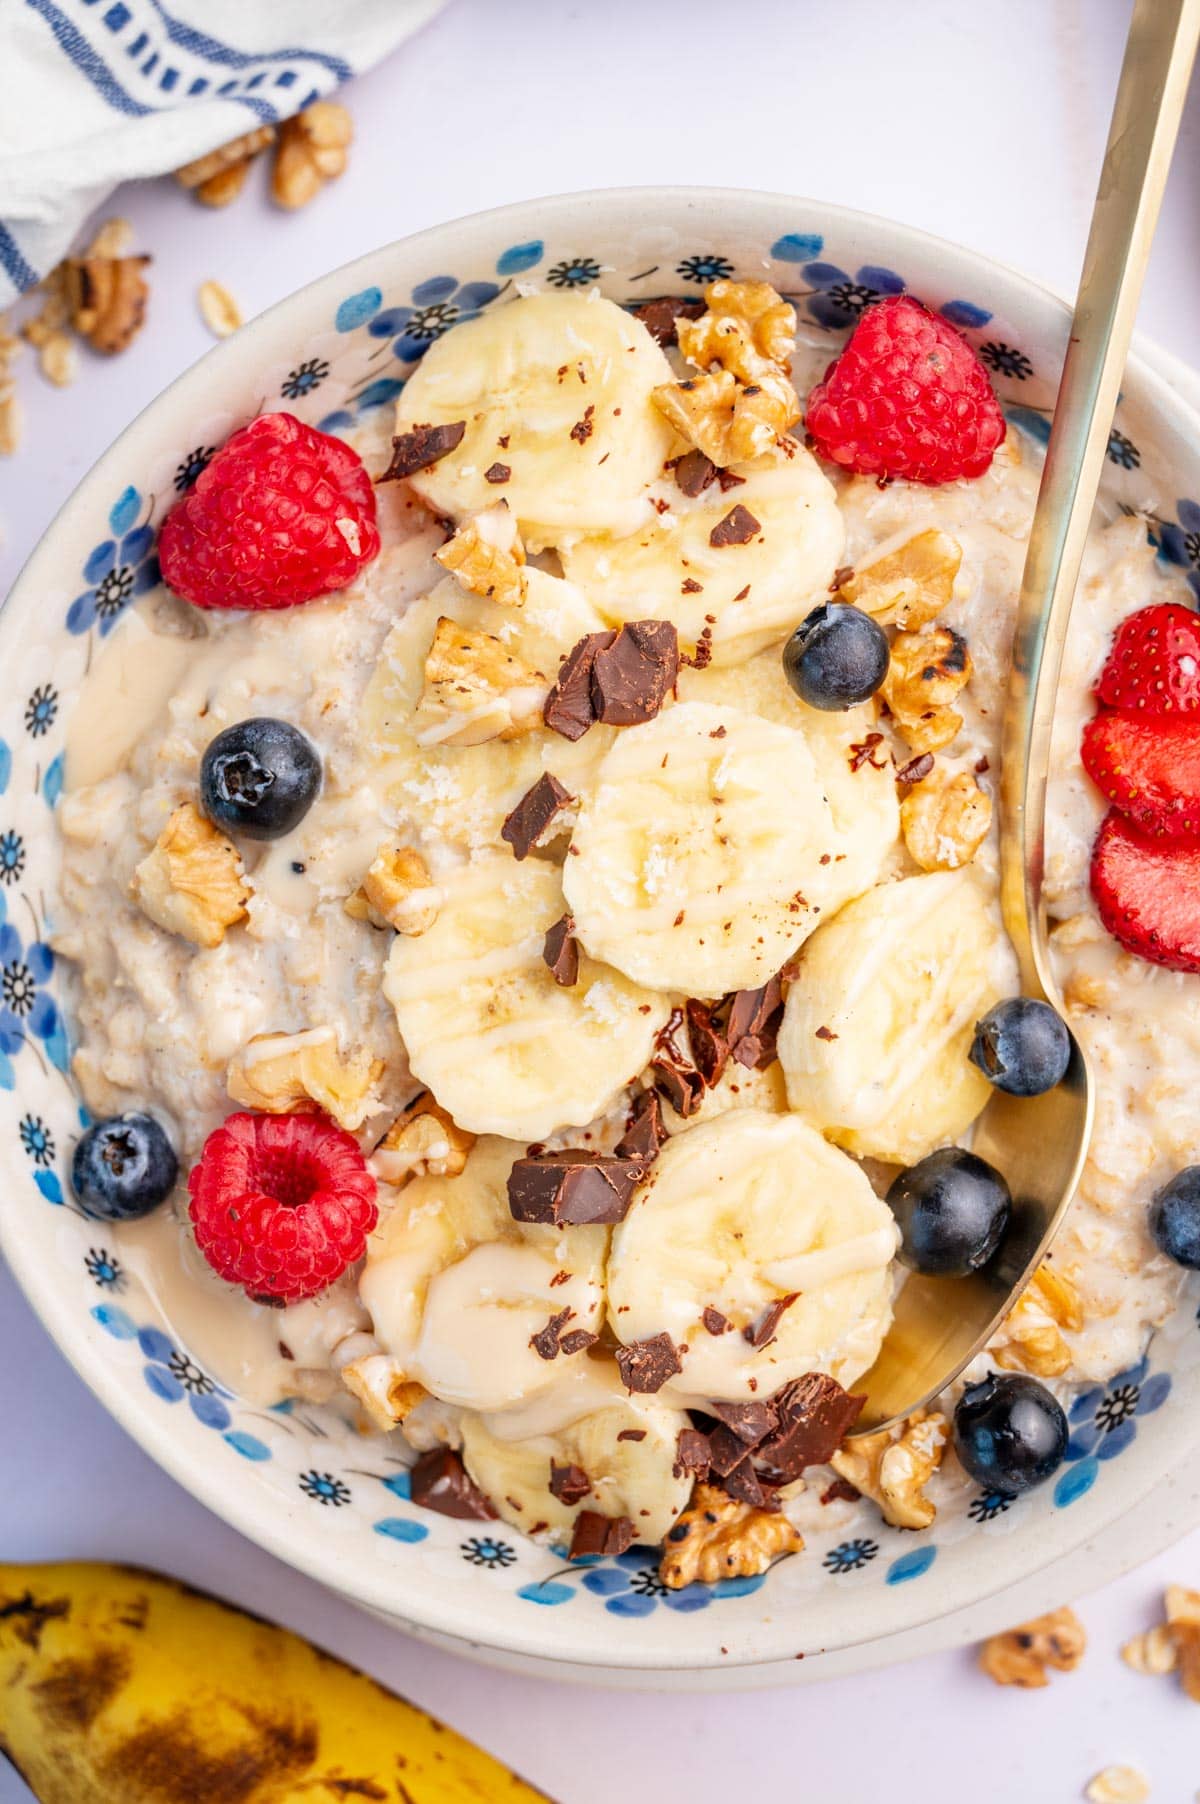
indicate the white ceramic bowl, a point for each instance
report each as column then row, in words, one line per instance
column 314, row 1493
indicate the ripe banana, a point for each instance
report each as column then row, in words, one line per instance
column 456, row 1288
column 696, row 860
column 503, row 1046
column 118, row 1686
column 879, row 1022
column 557, row 389
column 735, row 1216
column 581, row 1423
column 748, row 595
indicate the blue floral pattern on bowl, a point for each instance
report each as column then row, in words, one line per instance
column 118, row 569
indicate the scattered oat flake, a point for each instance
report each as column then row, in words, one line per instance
column 12, row 421
column 58, row 358
column 1154, row 1652
column 113, row 239
column 1117, row 1785
column 218, row 309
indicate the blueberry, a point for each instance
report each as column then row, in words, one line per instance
column 1175, row 1218
column 837, row 657
column 952, row 1209
column 1022, row 1046
column 1009, row 1433
column 259, row 778
column 123, row 1168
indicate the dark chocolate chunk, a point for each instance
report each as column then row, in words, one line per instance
column 840, row 1491
column 737, row 527
column 569, row 708
column 675, row 1074
column 761, row 1332
column 726, row 1450
column 751, row 1422
column 421, row 446
column 714, row 1321
column 574, row 1187
column 645, row 1365
column 659, row 317
column 915, row 769
column 570, row 1484
column 632, row 677
column 440, row 1482
column 497, row 473
column 691, row 1453
column 644, row 1130
column 694, row 472
column 578, row 1341
column 815, row 1415
column 710, row 1048
column 598, row 1536
column 728, row 481
column 545, row 1342
column 632, row 1434
column 524, row 827
column 753, row 1026
column 560, row 949
column 744, row 1483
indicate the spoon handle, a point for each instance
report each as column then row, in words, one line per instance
column 1159, row 54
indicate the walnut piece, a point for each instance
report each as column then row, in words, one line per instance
column 1183, row 1621
column 748, row 329
column 945, row 820
column 1117, row 1785
column 107, row 297
column 476, row 689
column 910, row 585
column 718, row 1537
column 487, row 556
column 192, row 882
column 423, row 1142
column 1031, row 1338
column 281, row 1073
column 383, row 1390
column 728, row 422
column 927, row 671
column 894, row 1466
column 217, row 177
column 311, row 151
column 1021, row 1655
column 398, row 892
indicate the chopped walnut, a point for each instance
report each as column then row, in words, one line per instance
column 1183, row 1621
column 747, row 329
column 476, row 689
column 1031, row 1339
column 383, row 1390
column 192, row 882
column 945, row 820
column 487, row 556
column 311, row 151
column 910, row 585
column 204, row 175
column 927, row 671
column 423, row 1142
column 1117, row 1785
column 1153, row 1652
column 281, row 1073
column 894, row 1466
column 1021, row 1655
column 730, row 423
column 718, row 1537
column 398, row 892
column 107, row 297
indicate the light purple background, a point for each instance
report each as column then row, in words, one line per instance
column 983, row 121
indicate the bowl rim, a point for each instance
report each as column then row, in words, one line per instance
column 322, row 1560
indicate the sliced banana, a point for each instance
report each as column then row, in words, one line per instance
column 557, row 388
column 503, row 1047
column 736, row 1215
column 749, row 595
column 580, row 1423
column 853, row 763
column 696, row 860
column 739, row 1088
column 879, row 1021
column 458, row 795
column 456, row 1288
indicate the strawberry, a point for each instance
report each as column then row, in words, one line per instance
column 1154, row 664
column 1148, row 893
column 1149, row 767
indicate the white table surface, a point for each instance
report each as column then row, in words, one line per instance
column 981, row 121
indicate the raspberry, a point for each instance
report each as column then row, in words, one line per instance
column 281, row 1204
column 907, row 397
column 282, row 513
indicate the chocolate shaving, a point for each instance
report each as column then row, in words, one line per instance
column 570, row 1484
column 689, row 586
column 761, row 1333
column 545, row 1342
column 840, row 1491
column 691, row 1454
column 644, row 1130
column 701, row 658
column 864, row 753
column 574, row 1187
column 583, row 429
column 815, row 1415
column 915, row 769
column 694, row 472
column 840, row 577
column 728, row 480
column 645, row 1365
column 825, row 1033
column 524, row 827
column 714, row 1321
column 659, row 317
column 675, row 1075
column 421, row 446
column 598, row 1536
column 560, row 950
column 710, row 1048
column 737, row 528
column 569, row 709
column 632, row 677
column 753, row 1026
column 440, row 1482
column 632, row 1434
column 497, row 473
column 578, row 1341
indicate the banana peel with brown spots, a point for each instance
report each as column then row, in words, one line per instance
column 119, row 1686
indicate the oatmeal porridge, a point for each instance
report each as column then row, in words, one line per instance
column 532, row 884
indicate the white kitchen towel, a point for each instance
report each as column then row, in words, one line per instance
column 96, row 92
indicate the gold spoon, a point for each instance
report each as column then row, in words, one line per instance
column 1040, row 1143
